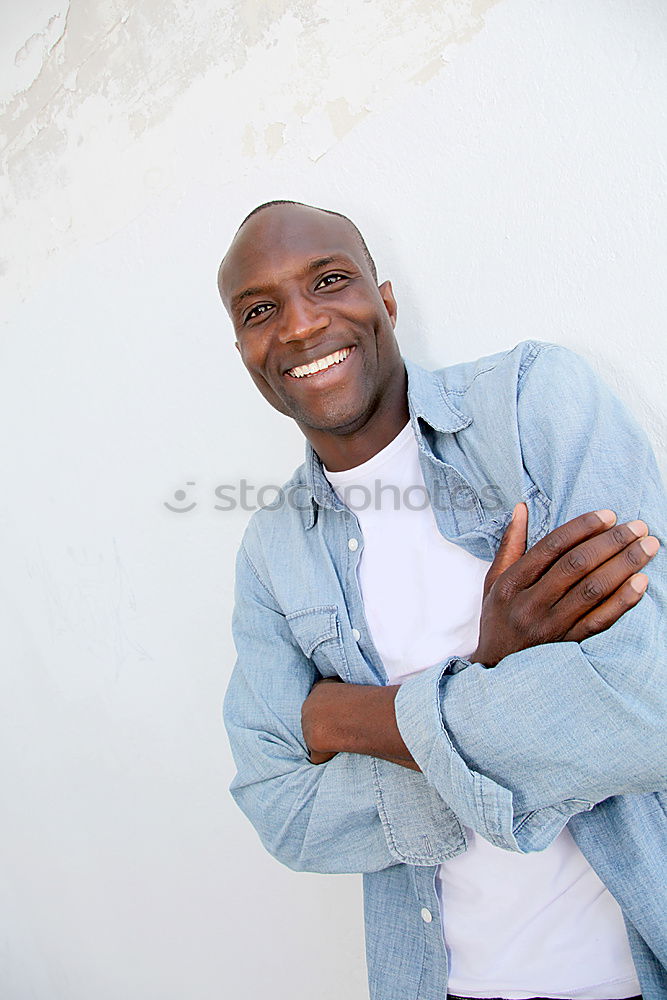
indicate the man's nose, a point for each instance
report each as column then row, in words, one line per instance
column 302, row 319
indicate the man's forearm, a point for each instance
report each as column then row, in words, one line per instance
column 354, row 718
column 362, row 719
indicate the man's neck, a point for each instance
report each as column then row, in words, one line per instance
column 342, row 451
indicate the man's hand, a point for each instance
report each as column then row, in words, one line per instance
column 574, row 583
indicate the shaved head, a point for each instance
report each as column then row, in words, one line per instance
column 284, row 201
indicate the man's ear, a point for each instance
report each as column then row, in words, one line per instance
column 387, row 294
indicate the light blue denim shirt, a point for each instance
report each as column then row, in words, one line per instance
column 560, row 733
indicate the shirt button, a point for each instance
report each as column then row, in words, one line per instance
column 352, row 544
column 356, row 634
column 427, row 916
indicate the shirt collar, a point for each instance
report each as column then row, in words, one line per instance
column 428, row 400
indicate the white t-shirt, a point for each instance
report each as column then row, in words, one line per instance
column 515, row 925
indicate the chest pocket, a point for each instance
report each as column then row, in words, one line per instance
column 538, row 518
column 317, row 631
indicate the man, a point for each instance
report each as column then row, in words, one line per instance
column 494, row 760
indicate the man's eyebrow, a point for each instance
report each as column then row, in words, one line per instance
column 312, row 265
column 315, row 265
column 247, row 293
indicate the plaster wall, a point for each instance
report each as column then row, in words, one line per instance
column 506, row 161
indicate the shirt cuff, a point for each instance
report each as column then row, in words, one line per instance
column 478, row 801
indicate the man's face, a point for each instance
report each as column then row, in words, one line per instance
column 301, row 295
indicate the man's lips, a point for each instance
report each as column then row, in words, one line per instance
column 319, row 365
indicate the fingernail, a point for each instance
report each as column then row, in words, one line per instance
column 606, row 516
column 521, row 503
column 638, row 528
column 639, row 582
column 650, row 545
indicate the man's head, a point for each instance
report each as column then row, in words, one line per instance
column 301, row 289
column 327, row 211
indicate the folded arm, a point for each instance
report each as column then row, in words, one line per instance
column 562, row 725
column 352, row 814
column 562, row 722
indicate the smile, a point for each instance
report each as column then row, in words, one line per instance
column 321, row 365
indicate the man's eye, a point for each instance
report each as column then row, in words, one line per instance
column 257, row 310
column 330, row 279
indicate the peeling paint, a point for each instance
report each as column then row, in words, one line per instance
column 274, row 137
column 31, row 49
column 427, row 72
column 120, row 84
column 248, row 146
column 342, row 117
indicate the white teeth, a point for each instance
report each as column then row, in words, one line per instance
column 300, row 371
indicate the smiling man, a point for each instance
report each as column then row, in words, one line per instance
column 358, row 398
column 463, row 705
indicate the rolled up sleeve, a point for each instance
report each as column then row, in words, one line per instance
column 350, row 814
column 555, row 729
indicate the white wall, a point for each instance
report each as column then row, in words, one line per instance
column 506, row 162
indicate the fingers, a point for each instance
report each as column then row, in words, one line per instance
column 595, row 588
column 544, row 553
column 606, row 614
column 512, row 545
column 583, row 559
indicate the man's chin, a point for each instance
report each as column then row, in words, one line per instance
column 323, row 419
column 338, row 421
